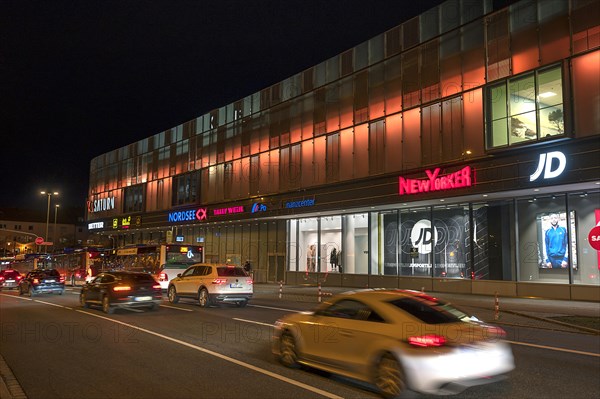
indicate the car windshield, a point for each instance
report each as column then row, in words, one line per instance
column 231, row 271
column 429, row 310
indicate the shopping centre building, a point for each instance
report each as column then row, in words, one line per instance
column 456, row 152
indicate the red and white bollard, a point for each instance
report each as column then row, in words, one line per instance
column 320, row 293
column 280, row 289
column 496, row 307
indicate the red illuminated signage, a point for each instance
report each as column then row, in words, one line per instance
column 228, row 211
column 435, row 182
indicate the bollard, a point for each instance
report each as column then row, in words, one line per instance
column 319, row 292
column 496, row 307
column 280, row 289
column 423, row 289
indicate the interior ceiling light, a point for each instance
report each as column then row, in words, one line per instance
column 546, row 94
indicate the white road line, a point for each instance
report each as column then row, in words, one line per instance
column 18, row 297
column 175, row 307
column 53, row 304
column 254, row 322
column 270, row 307
column 223, row 357
column 553, row 348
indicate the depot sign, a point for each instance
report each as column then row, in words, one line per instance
column 436, row 182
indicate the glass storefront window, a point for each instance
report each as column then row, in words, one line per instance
column 355, row 244
column 331, row 243
column 585, row 208
column 308, row 244
column 452, row 249
column 416, row 242
column 544, row 240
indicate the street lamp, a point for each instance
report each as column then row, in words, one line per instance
column 49, row 194
column 54, row 230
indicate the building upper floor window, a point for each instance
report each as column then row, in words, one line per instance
column 525, row 108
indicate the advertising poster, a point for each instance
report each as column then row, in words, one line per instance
column 553, row 236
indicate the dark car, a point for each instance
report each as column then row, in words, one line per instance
column 10, row 278
column 40, row 281
column 121, row 289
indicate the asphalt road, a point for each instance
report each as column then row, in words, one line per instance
column 56, row 349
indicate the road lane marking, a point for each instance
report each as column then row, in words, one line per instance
column 53, row 304
column 175, row 307
column 221, row 356
column 271, row 307
column 553, row 348
column 18, row 297
column 254, row 322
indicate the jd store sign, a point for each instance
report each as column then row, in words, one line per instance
column 549, row 166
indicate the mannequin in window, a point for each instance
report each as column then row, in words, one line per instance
column 333, row 259
column 310, row 260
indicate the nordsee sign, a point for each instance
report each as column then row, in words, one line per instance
column 186, row 216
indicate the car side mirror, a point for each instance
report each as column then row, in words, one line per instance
column 178, row 274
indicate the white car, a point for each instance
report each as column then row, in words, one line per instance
column 169, row 271
column 211, row 284
column 398, row 340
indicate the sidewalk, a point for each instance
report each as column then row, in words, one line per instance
column 571, row 316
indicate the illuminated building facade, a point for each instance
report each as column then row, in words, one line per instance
column 456, row 152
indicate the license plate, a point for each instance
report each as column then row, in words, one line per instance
column 48, row 281
column 10, row 281
column 143, row 298
column 235, row 285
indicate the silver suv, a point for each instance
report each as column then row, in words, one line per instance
column 211, row 284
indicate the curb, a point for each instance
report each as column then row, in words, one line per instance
column 9, row 386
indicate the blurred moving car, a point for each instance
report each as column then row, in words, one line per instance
column 398, row 340
column 76, row 275
column 40, row 281
column 211, row 284
column 10, row 278
column 169, row 271
column 121, row 289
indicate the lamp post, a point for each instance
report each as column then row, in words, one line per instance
column 54, row 230
column 49, row 194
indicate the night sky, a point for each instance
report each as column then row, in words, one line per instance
column 80, row 78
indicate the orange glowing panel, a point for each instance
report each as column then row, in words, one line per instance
column 393, row 143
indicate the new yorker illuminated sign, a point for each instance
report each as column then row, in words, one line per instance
column 435, row 182
column 186, row 216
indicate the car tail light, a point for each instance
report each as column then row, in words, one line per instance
column 219, row 281
column 1, row 278
column 163, row 277
column 249, row 281
column 430, row 340
column 36, row 281
column 122, row 288
column 156, row 286
column 61, row 279
column 19, row 277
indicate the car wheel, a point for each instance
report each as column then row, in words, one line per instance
column 288, row 353
column 82, row 300
column 242, row 304
column 203, row 299
column 61, row 292
column 389, row 377
column 106, row 308
column 73, row 281
column 172, row 294
column 30, row 291
column 21, row 290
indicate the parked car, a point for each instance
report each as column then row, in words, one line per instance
column 211, row 284
column 397, row 340
column 40, row 281
column 121, row 289
column 10, row 278
column 169, row 271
